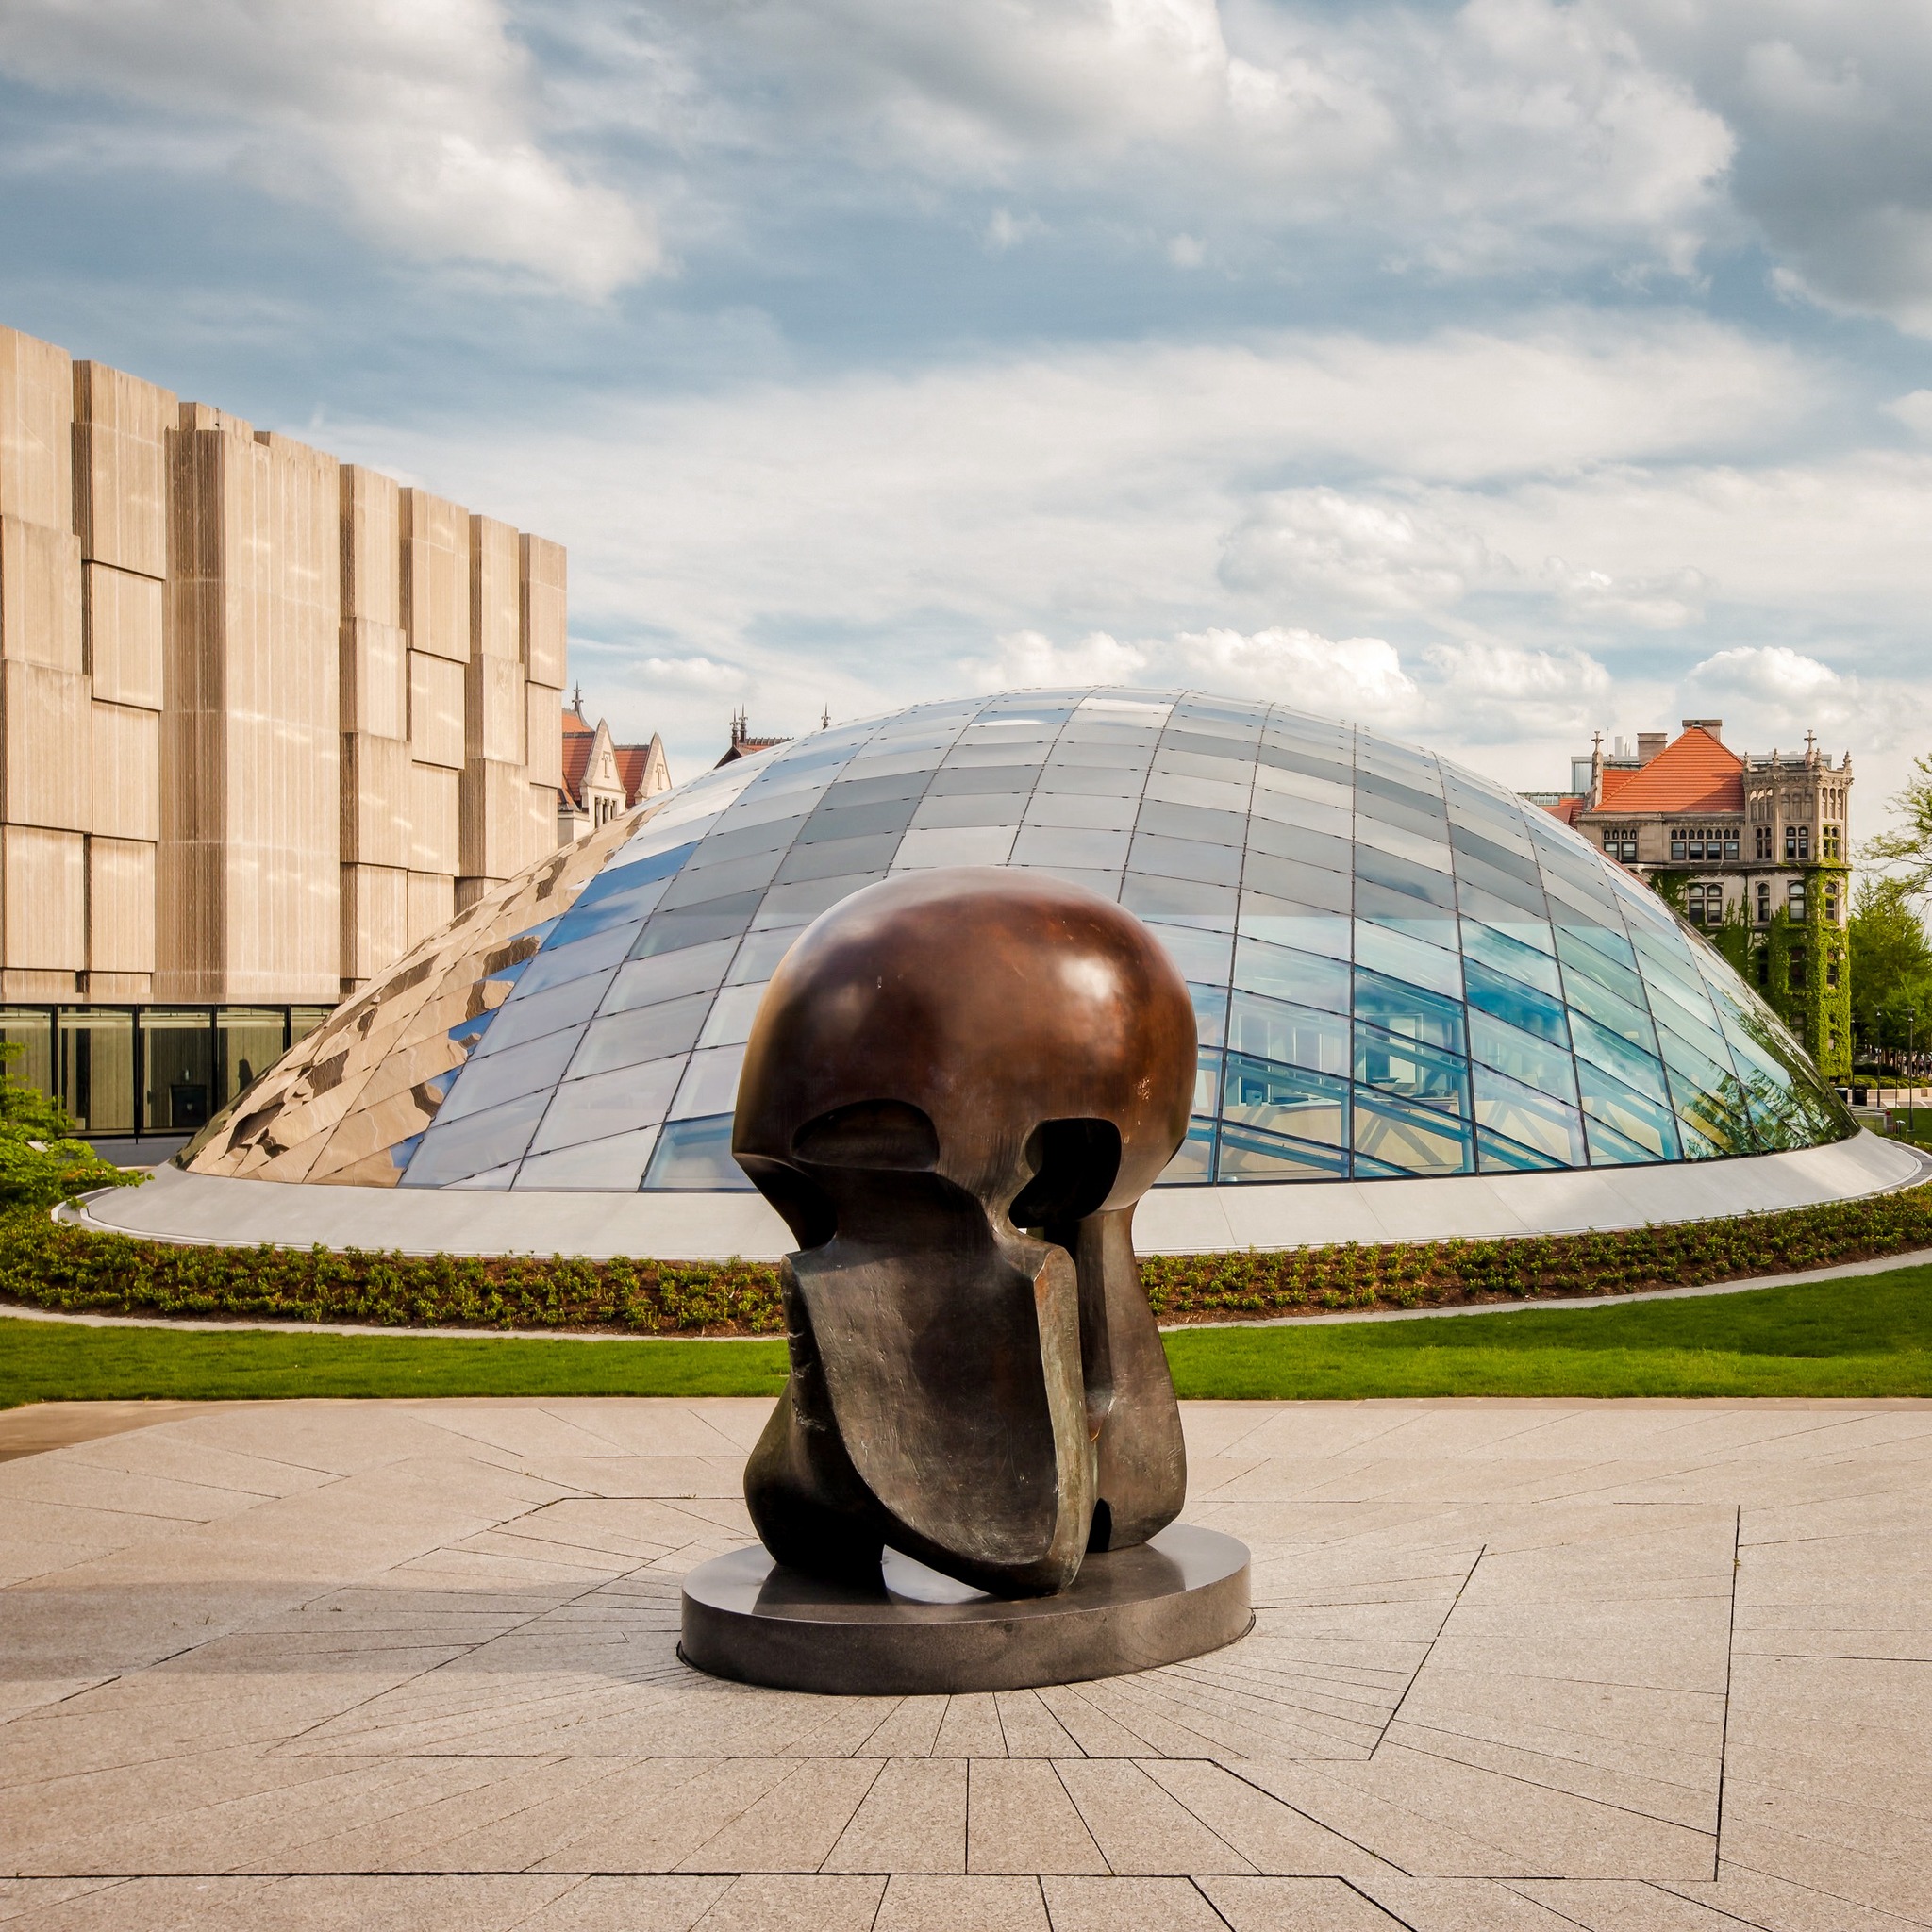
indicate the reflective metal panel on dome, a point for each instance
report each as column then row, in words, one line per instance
column 1398, row 967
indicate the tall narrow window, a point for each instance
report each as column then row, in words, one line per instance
column 1764, row 903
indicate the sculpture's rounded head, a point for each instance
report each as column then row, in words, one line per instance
column 1015, row 1035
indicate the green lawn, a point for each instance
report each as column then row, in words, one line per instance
column 1857, row 1336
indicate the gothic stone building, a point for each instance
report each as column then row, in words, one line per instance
column 1754, row 848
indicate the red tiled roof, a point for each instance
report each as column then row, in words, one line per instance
column 577, row 739
column 1695, row 772
column 633, row 760
column 1566, row 809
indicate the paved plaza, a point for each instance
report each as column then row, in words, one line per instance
column 1516, row 1667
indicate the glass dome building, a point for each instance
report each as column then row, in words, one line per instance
column 1400, row 970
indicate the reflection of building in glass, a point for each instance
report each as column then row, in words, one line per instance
column 1754, row 848
column 601, row 778
column 1398, row 967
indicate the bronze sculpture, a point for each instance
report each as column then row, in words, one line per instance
column 956, row 1088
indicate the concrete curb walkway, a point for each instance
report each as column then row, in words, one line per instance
column 1917, row 1258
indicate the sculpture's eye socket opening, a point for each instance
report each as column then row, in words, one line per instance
column 888, row 1134
column 1075, row 1165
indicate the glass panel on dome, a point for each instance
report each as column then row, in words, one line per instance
column 1309, row 884
column 731, row 841
column 1496, row 1154
column 623, row 895
column 1679, row 1002
column 710, row 1084
column 1210, row 1012
column 1419, row 918
column 1194, row 902
column 1399, row 957
column 1302, row 927
column 802, row 903
column 1199, row 953
column 1507, row 907
column 1103, row 779
column 952, row 781
column 1280, row 791
column 1392, row 1065
column 1406, row 876
column 1196, row 821
column 450, row 1153
column 1638, row 1120
column 1081, row 810
column 606, row 1167
column 1065, row 845
column 1585, row 996
column 876, row 791
column 956, row 845
column 1193, row 1162
column 732, row 1012
column 1290, row 1035
column 696, row 925
column 1400, row 841
column 1207, row 1080
column 1713, row 1116
column 1517, row 1005
column 1380, row 792
column 606, row 1103
column 1284, row 972
column 1296, row 842
column 1571, row 905
column 1616, row 1055
column 1409, row 1139
column 972, row 808
column 1185, row 858
column 1182, row 788
column 1514, row 953
column 646, row 1033
column 1487, row 848
column 1247, row 1154
column 1105, row 885
column 850, row 820
column 1409, row 1010
column 669, row 975
column 554, row 965
column 759, row 953
column 1330, row 821
column 696, row 1156
column 519, row 1020
column 1529, row 1117
column 837, row 858
column 1522, row 1055
column 1311, row 762
column 700, row 883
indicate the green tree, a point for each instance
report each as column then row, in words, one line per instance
column 42, row 1158
column 1908, row 851
column 1892, row 962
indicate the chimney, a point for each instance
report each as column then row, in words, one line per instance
column 1714, row 726
column 1649, row 744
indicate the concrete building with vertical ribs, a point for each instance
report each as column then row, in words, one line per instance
column 266, row 719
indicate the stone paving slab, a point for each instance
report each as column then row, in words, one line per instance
column 1516, row 1666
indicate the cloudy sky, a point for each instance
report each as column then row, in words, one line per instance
column 1494, row 372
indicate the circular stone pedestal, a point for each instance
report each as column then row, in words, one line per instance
column 744, row 1616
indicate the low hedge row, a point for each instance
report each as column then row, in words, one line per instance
column 51, row 1266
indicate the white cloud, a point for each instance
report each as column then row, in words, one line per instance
column 1498, row 694
column 418, row 124
column 1364, row 554
column 1349, row 677
column 694, row 675
column 1522, row 511
column 1831, row 107
column 1030, row 659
